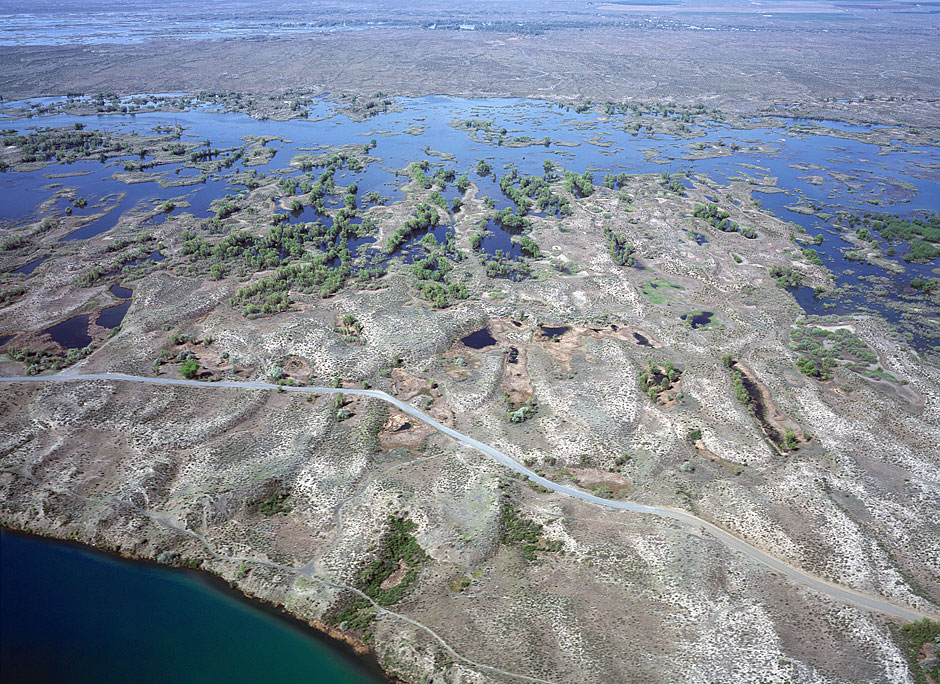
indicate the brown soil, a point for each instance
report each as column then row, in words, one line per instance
column 773, row 422
column 606, row 484
column 401, row 430
column 396, row 577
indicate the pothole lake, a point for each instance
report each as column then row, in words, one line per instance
column 814, row 170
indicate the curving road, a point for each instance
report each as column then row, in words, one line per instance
column 849, row 596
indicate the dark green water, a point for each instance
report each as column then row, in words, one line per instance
column 68, row 614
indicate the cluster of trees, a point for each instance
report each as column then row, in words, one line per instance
column 501, row 265
column 425, row 217
column 922, row 251
column 739, row 388
column 812, row 256
column 271, row 294
column 926, row 285
column 671, row 110
column 437, row 198
column 431, row 272
column 273, row 503
column 719, row 218
column 522, row 412
column 921, row 232
column 657, row 379
column 672, row 184
column 789, row 441
column 61, row 144
column 397, row 545
column 325, row 185
column 39, row 360
column 441, row 294
column 579, row 185
column 189, row 369
column 615, row 181
column 350, row 328
column 820, row 369
column 107, row 103
column 511, row 221
column 823, row 350
column 619, row 249
column 786, row 276
column 488, row 131
column 324, row 274
column 134, row 252
column 533, row 191
column 417, row 169
column 282, row 243
column 373, row 106
column 529, row 246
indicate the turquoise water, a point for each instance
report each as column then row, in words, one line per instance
column 68, row 614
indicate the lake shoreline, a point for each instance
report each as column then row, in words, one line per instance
column 345, row 647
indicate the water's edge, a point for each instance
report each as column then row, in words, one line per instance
column 346, row 648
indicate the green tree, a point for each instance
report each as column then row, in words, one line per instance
column 740, row 390
column 189, row 369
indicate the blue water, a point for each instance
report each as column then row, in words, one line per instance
column 30, row 267
column 71, row 333
column 68, row 614
column 880, row 177
column 111, row 317
column 479, row 339
column 121, row 292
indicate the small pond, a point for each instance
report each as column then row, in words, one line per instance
column 30, row 267
column 479, row 339
column 552, row 332
column 698, row 319
column 71, row 333
column 112, row 316
column 121, row 292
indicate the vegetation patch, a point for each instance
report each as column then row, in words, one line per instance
column 271, row 502
column 787, row 277
column 657, row 290
column 350, row 328
column 720, row 219
column 40, row 360
column 431, row 271
column 659, row 382
column 534, row 192
column 747, row 391
column 923, row 649
column 397, row 551
column 516, row 529
column 620, row 250
column 823, row 350
column 520, row 412
column 922, row 234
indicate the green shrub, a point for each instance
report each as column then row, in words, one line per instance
column 189, row 369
